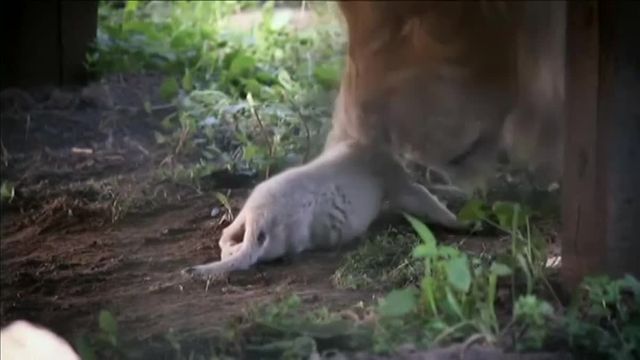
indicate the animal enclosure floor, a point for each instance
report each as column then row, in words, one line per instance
column 95, row 224
column 63, row 278
column 92, row 226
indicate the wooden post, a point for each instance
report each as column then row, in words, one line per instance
column 45, row 42
column 601, row 185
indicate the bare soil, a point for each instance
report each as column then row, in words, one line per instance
column 92, row 226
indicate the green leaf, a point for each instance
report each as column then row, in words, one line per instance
column 108, row 323
column 500, row 269
column 84, row 349
column 425, row 250
column 505, row 212
column 285, row 80
column 632, row 284
column 458, row 273
column 224, row 200
column 453, row 303
column 473, row 210
column 169, row 88
column 265, row 78
column 398, row 303
column 131, row 6
column 242, row 65
column 187, row 81
column 423, row 231
column 427, row 284
column 446, row 251
column 328, row 76
column 252, row 86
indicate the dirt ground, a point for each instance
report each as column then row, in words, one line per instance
column 71, row 248
column 93, row 227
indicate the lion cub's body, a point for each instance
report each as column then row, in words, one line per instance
column 327, row 202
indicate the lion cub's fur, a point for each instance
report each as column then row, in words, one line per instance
column 327, row 202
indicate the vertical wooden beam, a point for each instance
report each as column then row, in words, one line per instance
column 78, row 28
column 601, row 185
column 45, row 42
column 29, row 38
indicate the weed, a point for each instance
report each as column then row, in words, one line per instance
column 103, row 344
column 457, row 293
column 251, row 99
column 528, row 245
column 604, row 319
column 532, row 315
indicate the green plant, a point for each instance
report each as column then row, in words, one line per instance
column 604, row 318
column 456, row 294
column 528, row 251
column 105, row 343
column 250, row 99
column 285, row 329
column 532, row 316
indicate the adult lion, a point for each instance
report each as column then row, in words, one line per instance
column 439, row 82
column 448, row 83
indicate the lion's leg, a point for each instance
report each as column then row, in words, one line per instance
column 405, row 195
column 416, row 200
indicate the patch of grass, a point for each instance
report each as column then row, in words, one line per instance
column 286, row 330
column 382, row 261
column 504, row 299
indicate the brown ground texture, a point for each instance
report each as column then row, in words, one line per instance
column 92, row 227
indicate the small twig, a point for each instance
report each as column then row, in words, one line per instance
column 473, row 339
column 152, row 108
column 263, row 130
column 81, row 151
column 27, row 126
column 137, row 145
column 306, row 130
column 303, row 119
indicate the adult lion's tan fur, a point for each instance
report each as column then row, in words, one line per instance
column 444, row 83
column 448, row 82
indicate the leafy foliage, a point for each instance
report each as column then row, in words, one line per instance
column 247, row 99
column 104, row 343
column 604, row 319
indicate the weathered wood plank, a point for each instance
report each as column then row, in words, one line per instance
column 601, row 185
column 45, row 42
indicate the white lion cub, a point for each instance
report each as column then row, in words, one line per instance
column 329, row 201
